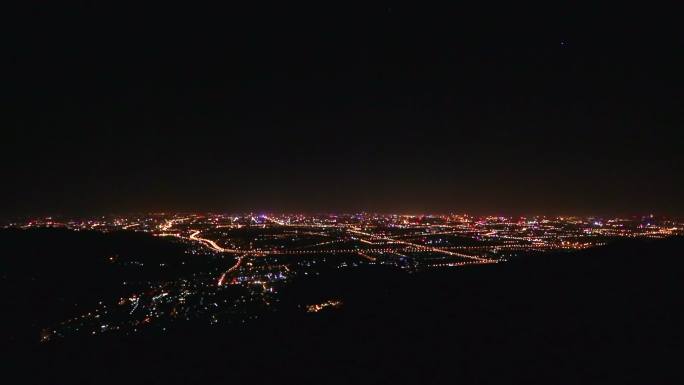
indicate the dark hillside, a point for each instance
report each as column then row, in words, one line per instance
column 42, row 273
column 608, row 315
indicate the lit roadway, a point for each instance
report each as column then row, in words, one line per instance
column 368, row 257
column 410, row 247
column 415, row 246
column 364, row 253
column 211, row 244
column 237, row 264
column 422, row 247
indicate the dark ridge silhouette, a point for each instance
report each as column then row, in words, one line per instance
column 53, row 274
column 606, row 315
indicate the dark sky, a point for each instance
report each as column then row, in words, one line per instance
column 550, row 110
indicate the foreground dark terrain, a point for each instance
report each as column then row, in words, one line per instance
column 611, row 314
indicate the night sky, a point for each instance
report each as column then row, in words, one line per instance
column 558, row 110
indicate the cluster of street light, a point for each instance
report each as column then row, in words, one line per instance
column 260, row 253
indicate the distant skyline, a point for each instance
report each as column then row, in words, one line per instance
column 60, row 218
column 342, row 109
